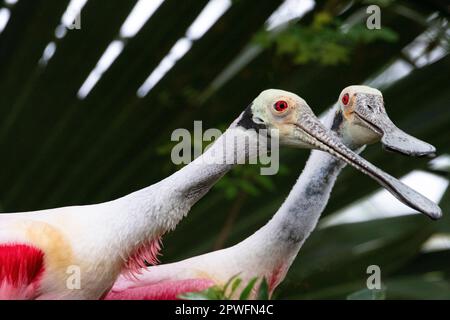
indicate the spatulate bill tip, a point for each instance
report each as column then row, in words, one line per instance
column 434, row 214
column 429, row 154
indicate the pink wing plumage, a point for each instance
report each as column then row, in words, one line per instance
column 164, row 290
column 21, row 267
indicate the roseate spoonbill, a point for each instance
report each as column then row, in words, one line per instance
column 43, row 253
column 359, row 118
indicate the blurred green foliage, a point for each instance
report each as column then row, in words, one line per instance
column 234, row 289
column 327, row 41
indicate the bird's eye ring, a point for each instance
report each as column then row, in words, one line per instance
column 345, row 99
column 281, row 105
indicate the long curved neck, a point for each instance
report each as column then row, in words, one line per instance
column 236, row 146
column 193, row 181
column 152, row 211
column 291, row 225
column 299, row 214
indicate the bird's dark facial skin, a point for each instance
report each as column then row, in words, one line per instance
column 337, row 121
column 247, row 120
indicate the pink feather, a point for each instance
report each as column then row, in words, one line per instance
column 164, row 290
column 148, row 252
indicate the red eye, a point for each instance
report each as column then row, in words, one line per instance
column 345, row 99
column 281, row 105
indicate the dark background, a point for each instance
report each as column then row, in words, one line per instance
column 59, row 150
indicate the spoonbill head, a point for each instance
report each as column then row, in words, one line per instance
column 285, row 115
column 367, row 122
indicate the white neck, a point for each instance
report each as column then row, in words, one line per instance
column 151, row 212
column 297, row 217
column 282, row 237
